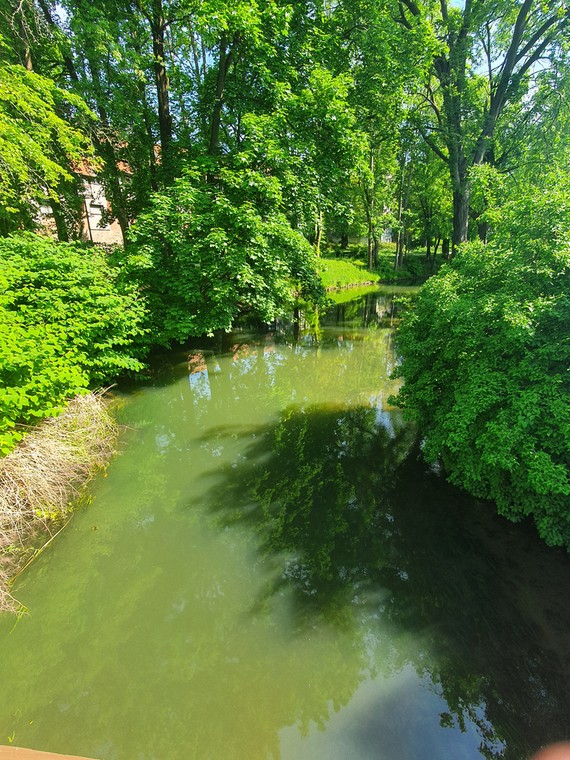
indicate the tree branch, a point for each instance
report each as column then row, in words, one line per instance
column 430, row 143
column 536, row 36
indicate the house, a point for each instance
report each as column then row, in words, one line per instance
column 96, row 226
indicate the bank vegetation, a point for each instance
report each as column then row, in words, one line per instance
column 42, row 479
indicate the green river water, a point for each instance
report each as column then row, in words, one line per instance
column 269, row 571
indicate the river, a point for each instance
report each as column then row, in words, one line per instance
column 268, row 571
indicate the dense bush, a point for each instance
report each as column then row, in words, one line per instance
column 486, row 353
column 210, row 248
column 66, row 323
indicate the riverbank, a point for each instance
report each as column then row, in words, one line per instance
column 349, row 272
column 41, row 481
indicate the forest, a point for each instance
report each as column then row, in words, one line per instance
column 239, row 142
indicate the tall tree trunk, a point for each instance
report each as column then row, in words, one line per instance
column 458, row 168
column 26, row 53
column 158, row 26
column 146, row 116
column 150, row 138
column 405, row 186
column 67, row 60
column 482, row 230
column 460, row 215
column 60, row 222
column 370, row 214
column 225, row 57
column 452, row 72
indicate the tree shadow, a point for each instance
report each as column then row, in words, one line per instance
column 357, row 526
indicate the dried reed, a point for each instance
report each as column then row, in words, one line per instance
column 42, row 479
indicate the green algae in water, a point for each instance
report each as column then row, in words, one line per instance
column 270, row 571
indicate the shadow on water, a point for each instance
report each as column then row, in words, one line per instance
column 270, row 572
column 360, row 529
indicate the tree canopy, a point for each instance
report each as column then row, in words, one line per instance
column 235, row 140
column 486, row 355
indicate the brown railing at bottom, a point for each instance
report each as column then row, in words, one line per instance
column 20, row 753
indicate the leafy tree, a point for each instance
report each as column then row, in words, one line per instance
column 485, row 363
column 385, row 61
column 466, row 106
column 66, row 323
column 38, row 144
column 312, row 143
column 430, row 206
column 205, row 251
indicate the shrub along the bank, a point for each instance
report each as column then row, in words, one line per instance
column 67, row 322
column 216, row 244
column 486, row 352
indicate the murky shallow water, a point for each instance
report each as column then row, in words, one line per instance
column 269, row 571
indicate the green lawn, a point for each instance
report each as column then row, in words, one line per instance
column 348, row 272
column 341, row 273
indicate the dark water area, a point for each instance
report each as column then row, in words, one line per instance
column 270, row 570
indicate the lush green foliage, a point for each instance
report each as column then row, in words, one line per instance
column 66, row 322
column 486, row 355
column 209, row 249
column 37, row 143
column 495, row 67
column 233, row 131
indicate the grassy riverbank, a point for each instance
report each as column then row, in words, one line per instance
column 41, row 481
column 350, row 270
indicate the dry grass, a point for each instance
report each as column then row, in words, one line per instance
column 42, row 478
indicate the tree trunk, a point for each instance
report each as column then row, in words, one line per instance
column 483, row 230
column 225, row 57
column 405, row 187
column 27, row 53
column 319, row 232
column 460, row 215
column 150, row 138
column 60, row 223
column 158, row 25
column 67, row 60
column 107, row 151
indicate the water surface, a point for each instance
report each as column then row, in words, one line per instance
column 269, row 571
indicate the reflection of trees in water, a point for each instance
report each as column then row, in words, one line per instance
column 370, row 534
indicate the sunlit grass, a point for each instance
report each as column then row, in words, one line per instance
column 339, row 273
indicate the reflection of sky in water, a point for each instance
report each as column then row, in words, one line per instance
column 396, row 718
column 200, row 384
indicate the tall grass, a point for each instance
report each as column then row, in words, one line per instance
column 42, row 478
